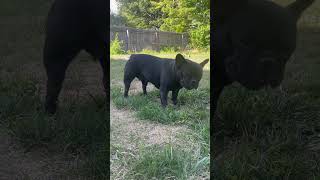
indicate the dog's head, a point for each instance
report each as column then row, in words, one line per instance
column 189, row 73
column 262, row 36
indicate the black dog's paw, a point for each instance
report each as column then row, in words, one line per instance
column 50, row 110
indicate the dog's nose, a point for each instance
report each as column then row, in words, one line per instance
column 193, row 82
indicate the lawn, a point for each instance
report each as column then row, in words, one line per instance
column 273, row 134
column 167, row 160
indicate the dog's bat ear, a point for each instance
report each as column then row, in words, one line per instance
column 180, row 60
column 299, row 6
column 203, row 63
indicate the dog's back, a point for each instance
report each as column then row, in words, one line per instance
column 145, row 67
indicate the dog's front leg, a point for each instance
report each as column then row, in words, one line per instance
column 175, row 96
column 164, row 96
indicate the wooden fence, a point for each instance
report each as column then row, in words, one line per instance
column 138, row 39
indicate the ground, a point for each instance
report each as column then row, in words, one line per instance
column 136, row 133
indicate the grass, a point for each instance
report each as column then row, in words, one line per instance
column 76, row 128
column 273, row 134
column 269, row 135
column 157, row 161
column 192, row 110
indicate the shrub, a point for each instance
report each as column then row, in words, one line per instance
column 169, row 49
column 116, row 46
column 200, row 37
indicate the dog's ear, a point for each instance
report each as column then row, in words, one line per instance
column 203, row 63
column 299, row 6
column 180, row 60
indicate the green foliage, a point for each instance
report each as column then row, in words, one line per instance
column 191, row 16
column 116, row 46
column 116, row 20
column 169, row 49
column 200, row 38
column 140, row 14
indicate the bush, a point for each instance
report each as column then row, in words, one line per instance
column 169, row 49
column 200, row 37
column 115, row 46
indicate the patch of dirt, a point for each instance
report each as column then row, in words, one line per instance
column 128, row 133
column 36, row 164
column 124, row 124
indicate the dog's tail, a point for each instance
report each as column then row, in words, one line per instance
column 299, row 6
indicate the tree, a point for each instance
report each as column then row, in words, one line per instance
column 188, row 16
column 140, row 14
column 116, row 20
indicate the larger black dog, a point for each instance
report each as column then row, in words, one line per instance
column 72, row 26
column 253, row 40
column 165, row 74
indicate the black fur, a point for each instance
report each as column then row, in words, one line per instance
column 253, row 40
column 72, row 26
column 165, row 74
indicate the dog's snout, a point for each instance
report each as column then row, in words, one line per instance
column 193, row 82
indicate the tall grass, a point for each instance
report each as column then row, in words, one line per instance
column 76, row 128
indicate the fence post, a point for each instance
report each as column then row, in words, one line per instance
column 128, row 40
column 182, row 43
column 157, row 41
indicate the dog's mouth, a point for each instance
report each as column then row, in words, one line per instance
column 189, row 86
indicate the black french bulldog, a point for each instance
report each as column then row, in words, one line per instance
column 72, row 26
column 165, row 74
column 253, row 40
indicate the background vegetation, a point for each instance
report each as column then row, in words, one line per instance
column 190, row 16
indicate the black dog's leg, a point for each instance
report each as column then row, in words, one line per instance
column 175, row 96
column 144, row 86
column 127, row 81
column 57, row 55
column 55, row 69
column 216, row 94
column 164, row 97
column 103, row 63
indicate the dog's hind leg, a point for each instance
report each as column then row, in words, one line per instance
column 144, row 86
column 128, row 78
column 105, row 65
column 56, row 61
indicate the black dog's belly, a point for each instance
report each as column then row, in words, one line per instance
column 77, row 24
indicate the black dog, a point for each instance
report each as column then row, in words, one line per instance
column 165, row 74
column 72, row 26
column 253, row 40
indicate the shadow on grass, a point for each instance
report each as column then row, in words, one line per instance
column 76, row 128
column 269, row 134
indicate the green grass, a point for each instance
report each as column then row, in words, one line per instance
column 166, row 162
column 269, row 135
column 76, row 128
column 273, row 134
column 191, row 110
